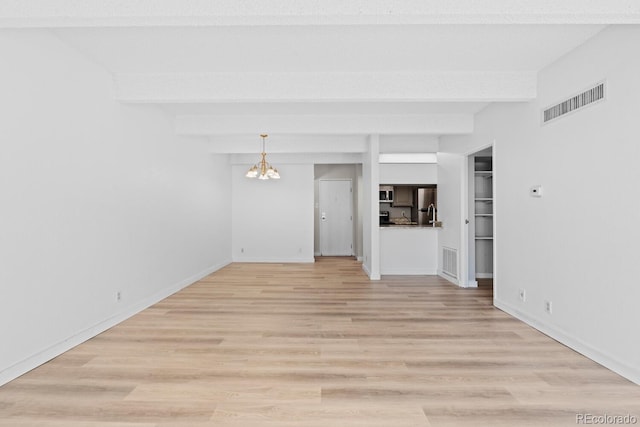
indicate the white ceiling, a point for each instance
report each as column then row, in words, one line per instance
column 331, row 68
column 367, row 48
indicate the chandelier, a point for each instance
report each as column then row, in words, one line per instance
column 262, row 169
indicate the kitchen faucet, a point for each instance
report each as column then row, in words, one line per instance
column 432, row 208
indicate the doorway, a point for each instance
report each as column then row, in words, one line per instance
column 479, row 235
column 335, row 199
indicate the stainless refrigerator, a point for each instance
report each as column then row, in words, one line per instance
column 426, row 197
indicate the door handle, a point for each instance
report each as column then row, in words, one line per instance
column 324, row 216
column 466, row 221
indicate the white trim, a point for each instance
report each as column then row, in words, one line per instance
column 46, row 354
column 463, row 253
column 471, row 284
column 359, row 259
column 408, row 272
column 465, row 213
column 366, row 270
column 496, row 203
column 632, row 373
column 448, row 278
column 258, row 260
column 484, row 275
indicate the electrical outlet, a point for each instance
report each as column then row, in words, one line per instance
column 241, row 250
column 118, row 296
column 523, row 295
column 548, row 307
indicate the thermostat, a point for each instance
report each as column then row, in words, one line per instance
column 536, row 191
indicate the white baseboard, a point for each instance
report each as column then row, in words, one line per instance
column 484, row 275
column 457, row 282
column 368, row 272
column 359, row 259
column 43, row 356
column 409, row 272
column 366, row 269
column 471, row 284
column 449, row 278
column 632, row 373
column 258, row 260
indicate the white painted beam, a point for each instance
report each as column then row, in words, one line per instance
column 468, row 86
column 325, row 143
column 297, row 158
column 108, row 13
column 436, row 124
column 279, row 143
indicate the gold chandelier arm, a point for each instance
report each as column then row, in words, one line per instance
column 263, row 169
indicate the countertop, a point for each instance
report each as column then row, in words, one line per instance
column 407, row 226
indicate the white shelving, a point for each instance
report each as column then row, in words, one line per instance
column 483, row 213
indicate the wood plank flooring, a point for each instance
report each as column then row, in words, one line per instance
column 317, row 345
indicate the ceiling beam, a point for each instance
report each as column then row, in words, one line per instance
column 407, row 124
column 143, row 13
column 467, row 86
column 325, row 143
column 279, row 143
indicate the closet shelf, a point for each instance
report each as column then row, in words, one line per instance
column 483, row 218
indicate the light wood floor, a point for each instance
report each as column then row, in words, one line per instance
column 317, row 345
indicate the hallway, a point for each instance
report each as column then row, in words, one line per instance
column 317, row 345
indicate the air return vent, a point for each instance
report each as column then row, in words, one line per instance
column 588, row 97
column 450, row 262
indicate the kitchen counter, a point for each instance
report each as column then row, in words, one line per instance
column 409, row 249
column 411, row 225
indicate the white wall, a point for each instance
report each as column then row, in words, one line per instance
column 449, row 204
column 576, row 246
column 272, row 220
column 408, row 173
column 408, row 144
column 371, row 209
column 96, row 198
column 408, row 250
column 359, row 215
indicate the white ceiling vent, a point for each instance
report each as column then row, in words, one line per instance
column 581, row 100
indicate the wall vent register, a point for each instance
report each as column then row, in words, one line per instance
column 450, row 262
column 581, row 100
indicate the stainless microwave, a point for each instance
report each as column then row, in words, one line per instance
column 386, row 195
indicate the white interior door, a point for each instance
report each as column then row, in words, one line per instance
column 336, row 217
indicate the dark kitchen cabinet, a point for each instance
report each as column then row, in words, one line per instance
column 403, row 196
